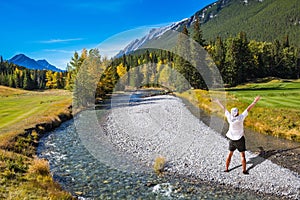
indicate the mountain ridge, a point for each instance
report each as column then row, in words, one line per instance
column 226, row 18
column 25, row 61
column 153, row 34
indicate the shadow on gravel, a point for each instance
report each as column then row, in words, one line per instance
column 263, row 155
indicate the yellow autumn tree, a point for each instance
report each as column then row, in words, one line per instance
column 121, row 70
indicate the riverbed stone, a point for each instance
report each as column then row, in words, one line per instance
column 193, row 151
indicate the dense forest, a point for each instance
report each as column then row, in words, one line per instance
column 16, row 76
column 238, row 60
column 262, row 20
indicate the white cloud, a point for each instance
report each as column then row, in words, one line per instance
column 108, row 48
column 60, row 40
column 59, row 51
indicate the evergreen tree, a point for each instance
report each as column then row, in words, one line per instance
column 244, row 60
column 11, row 81
column 230, row 62
column 219, row 55
column 197, row 32
column 198, row 58
column 73, row 67
column 41, row 79
column 27, row 82
column 238, row 60
column 182, row 66
column 75, row 62
column 277, row 56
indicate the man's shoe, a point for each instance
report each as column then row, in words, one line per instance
column 245, row 172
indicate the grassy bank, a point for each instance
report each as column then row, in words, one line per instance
column 277, row 114
column 25, row 116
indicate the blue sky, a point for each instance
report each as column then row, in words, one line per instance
column 53, row 30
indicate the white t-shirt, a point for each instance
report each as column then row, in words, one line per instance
column 236, row 125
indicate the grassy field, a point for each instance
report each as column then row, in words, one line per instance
column 276, row 94
column 21, row 109
column 277, row 113
column 22, row 175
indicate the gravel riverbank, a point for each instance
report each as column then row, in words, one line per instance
column 162, row 126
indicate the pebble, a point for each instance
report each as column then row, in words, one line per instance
column 191, row 148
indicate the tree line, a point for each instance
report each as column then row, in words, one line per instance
column 238, row 60
column 15, row 76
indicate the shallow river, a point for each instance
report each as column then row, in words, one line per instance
column 87, row 177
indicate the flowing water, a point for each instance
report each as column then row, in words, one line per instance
column 79, row 172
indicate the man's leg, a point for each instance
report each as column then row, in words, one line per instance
column 228, row 160
column 243, row 159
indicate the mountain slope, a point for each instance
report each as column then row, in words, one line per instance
column 47, row 65
column 153, row 34
column 25, row 61
column 262, row 20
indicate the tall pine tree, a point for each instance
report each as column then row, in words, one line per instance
column 182, row 66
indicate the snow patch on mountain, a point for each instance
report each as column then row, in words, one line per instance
column 153, row 34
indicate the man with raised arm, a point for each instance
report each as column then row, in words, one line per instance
column 236, row 132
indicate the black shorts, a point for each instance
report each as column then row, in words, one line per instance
column 237, row 144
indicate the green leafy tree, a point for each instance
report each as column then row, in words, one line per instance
column 87, row 79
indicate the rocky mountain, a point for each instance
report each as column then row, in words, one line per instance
column 153, row 34
column 262, row 20
column 25, row 61
column 47, row 65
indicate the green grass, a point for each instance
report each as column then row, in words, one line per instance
column 277, row 113
column 21, row 175
column 20, row 109
column 275, row 94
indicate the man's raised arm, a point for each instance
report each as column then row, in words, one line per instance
column 220, row 104
column 253, row 103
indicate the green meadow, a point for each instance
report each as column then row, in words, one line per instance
column 283, row 94
column 22, row 174
column 276, row 114
column 20, row 109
